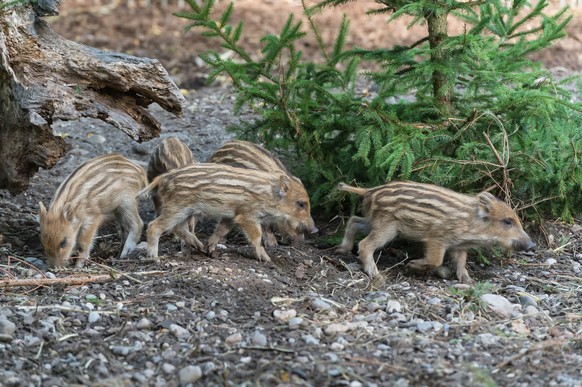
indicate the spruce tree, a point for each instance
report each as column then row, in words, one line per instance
column 468, row 111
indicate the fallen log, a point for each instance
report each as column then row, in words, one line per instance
column 44, row 77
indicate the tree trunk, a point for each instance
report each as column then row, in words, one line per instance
column 44, row 77
column 437, row 33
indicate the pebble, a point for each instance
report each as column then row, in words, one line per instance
column 7, row 327
column 526, row 300
column 144, row 323
column 310, row 340
column 434, row 301
column 93, row 317
column 530, row 309
column 551, row 261
column 393, row 306
column 233, row 339
column 210, row 315
column 168, row 368
column 178, row 331
column 190, row 374
column 373, row 306
column 97, row 139
column 486, row 339
column 319, row 304
column 499, row 304
column 284, row 315
column 424, row 326
column 295, row 322
column 259, row 339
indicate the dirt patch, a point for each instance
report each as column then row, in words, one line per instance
column 311, row 318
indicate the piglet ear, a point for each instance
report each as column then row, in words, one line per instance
column 282, row 186
column 42, row 211
column 486, row 201
column 68, row 214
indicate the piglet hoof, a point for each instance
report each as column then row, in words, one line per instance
column 465, row 279
column 342, row 249
column 213, row 254
column 371, row 270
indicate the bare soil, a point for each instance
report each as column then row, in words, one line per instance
column 311, row 318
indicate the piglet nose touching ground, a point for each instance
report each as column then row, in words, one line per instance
column 444, row 220
column 100, row 189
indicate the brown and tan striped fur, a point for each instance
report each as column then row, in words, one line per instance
column 244, row 154
column 231, row 195
column 100, row 189
column 169, row 154
column 444, row 220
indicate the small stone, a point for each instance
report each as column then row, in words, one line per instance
column 530, row 309
column 97, row 139
column 335, row 328
column 310, row 340
column 487, row 339
column 424, row 326
column 550, row 261
column 168, row 368
column 295, row 322
column 144, row 323
column 499, row 304
column 434, row 301
column 246, row 359
column 462, row 286
column 336, row 347
column 284, row 315
column 7, row 327
column 210, row 315
column 526, row 300
column 233, row 339
column 178, row 331
column 5, row 338
column 259, row 339
column 393, row 306
column 319, row 304
column 373, row 306
column 189, row 374
column 93, row 317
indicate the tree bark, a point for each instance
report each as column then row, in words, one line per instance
column 437, row 33
column 44, row 77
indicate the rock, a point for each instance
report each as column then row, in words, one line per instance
column 144, row 323
column 530, row 309
column 210, row 315
column 335, row 328
column 526, row 300
column 310, row 340
column 393, row 306
column 97, row 139
column 499, row 304
column 7, row 327
column 233, row 339
column 550, row 261
column 424, row 326
column 168, row 368
column 259, row 339
column 373, row 306
column 434, row 301
column 189, row 374
column 178, row 331
column 319, row 304
column 295, row 322
column 284, row 315
column 486, row 339
column 93, row 317
column 5, row 338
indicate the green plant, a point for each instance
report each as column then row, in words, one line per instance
column 467, row 111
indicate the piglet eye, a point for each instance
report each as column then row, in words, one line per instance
column 63, row 243
column 508, row 222
column 301, row 205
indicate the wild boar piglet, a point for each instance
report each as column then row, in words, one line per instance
column 444, row 220
column 101, row 189
column 230, row 195
column 169, row 154
column 244, row 154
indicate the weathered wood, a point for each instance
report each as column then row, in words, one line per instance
column 44, row 77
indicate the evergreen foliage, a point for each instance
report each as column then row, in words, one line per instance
column 467, row 111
